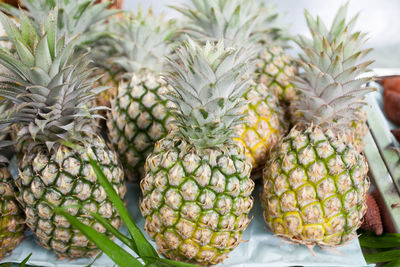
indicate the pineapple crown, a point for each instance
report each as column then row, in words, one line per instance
column 208, row 83
column 75, row 17
column 238, row 22
column 332, row 61
column 48, row 85
column 140, row 41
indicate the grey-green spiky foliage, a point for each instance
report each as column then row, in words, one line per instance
column 209, row 84
column 75, row 17
column 235, row 21
column 141, row 41
column 332, row 60
column 48, row 86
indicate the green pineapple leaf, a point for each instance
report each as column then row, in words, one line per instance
column 384, row 256
column 140, row 243
column 23, row 263
column 115, row 252
column 370, row 240
column 113, row 230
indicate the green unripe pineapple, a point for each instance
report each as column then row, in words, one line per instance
column 140, row 114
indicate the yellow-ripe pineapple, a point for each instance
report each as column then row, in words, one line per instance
column 140, row 114
column 238, row 23
column 315, row 183
column 197, row 188
column 49, row 90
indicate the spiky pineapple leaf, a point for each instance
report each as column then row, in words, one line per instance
column 370, row 240
column 385, row 256
column 395, row 263
column 140, row 243
column 23, row 263
column 112, row 229
column 115, row 252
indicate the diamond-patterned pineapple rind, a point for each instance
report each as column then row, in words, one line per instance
column 66, row 178
column 275, row 69
column 196, row 203
column 140, row 116
column 263, row 125
column 315, row 189
column 12, row 219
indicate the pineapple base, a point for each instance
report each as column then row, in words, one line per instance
column 65, row 178
column 196, row 202
column 263, row 125
column 12, row 221
column 139, row 117
column 315, row 189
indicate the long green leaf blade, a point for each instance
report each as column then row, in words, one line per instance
column 168, row 262
column 395, row 263
column 143, row 247
column 23, row 263
column 370, row 240
column 115, row 252
column 383, row 256
column 112, row 229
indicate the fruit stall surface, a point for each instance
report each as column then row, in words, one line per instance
column 260, row 246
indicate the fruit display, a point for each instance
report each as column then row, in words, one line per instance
column 197, row 188
column 316, row 182
column 140, row 114
column 58, row 134
column 263, row 122
column 192, row 104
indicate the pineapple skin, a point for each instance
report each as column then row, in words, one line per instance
column 139, row 117
column 66, row 178
column 196, row 202
column 314, row 189
column 358, row 130
column 263, row 124
column 275, row 69
column 12, row 218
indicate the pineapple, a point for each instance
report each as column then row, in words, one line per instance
column 236, row 22
column 315, row 183
column 49, row 90
column 140, row 115
column 12, row 219
column 197, row 188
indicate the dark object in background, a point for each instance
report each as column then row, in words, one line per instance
column 372, row 219
column 117, row 4
column 391, row 98
column 10, row 2
column 396, row 134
